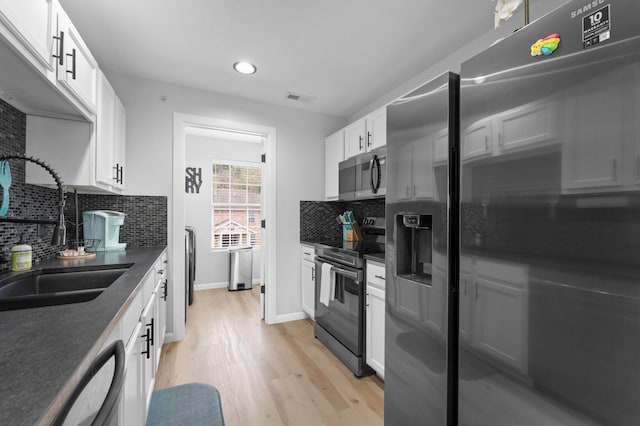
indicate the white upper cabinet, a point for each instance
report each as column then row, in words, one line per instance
column 32, row 23
column 73, row 149
column 366, row 134
column 48, row 70
column 354, row 138
column 110, row 135
column 77, row 69
column 333, row 155
column 376, row 124
column 120, row 143
column 105, row 131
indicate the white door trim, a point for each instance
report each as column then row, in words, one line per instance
column 177, row 216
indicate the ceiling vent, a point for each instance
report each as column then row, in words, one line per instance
column 300, row 98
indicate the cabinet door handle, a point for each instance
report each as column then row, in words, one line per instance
column 73, row 63
column 119, row 173
column 500, row 140
column 486, row 143
column 313, row 273
column 164, row 290
column 368, row 139
column 360, row 143
column 379, row 277
column 367, row 304
column 117, row 170
column 60, row 40
column 147, row 352
column 151, row 325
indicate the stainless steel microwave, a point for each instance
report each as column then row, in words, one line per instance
column 363, row 176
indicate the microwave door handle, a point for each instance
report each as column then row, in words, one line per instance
column 375, row 183
column 371, row 163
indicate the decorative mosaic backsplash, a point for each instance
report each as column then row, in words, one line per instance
column 318, row 218
column 144, row 226
column 26, row 201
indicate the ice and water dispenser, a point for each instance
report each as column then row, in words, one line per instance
column 103, row 225
column 414, row 251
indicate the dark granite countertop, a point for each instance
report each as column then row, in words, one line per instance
column 46, row 350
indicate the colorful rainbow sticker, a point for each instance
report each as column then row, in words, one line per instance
column 545, row 46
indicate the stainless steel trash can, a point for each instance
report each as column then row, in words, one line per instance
column 240, row 268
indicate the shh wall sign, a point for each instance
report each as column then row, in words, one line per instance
column 192, row 180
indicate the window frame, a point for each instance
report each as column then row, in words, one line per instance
column 249, row 233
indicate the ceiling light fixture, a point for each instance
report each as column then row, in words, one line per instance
column 244, row 67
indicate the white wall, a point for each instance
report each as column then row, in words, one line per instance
column 212, row 266
column 537, row 9
column 300, row 157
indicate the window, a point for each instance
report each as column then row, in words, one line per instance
column 235, row 204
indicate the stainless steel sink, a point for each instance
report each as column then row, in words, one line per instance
column 47, row 288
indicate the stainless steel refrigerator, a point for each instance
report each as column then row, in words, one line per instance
column 422, row 129
column 545, row 293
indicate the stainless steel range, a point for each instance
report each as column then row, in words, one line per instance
column 340, row 317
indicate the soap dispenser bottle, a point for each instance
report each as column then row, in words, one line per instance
column 21, row 256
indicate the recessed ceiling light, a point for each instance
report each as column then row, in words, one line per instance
column 244, row 67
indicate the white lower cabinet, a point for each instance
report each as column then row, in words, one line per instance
column 131, row 404
column 148, row 353
column 333, row 155
column 143, row 327
column 375, row 317
column 308, row 280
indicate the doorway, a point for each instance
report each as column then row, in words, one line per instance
column 185, row 125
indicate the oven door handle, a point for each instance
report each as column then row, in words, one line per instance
column 347, row 273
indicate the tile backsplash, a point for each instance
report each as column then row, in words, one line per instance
column 144, row 226
column 318, row 218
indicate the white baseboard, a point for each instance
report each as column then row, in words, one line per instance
column 224, row 284
column 168, row 338
column 290, row 317
column 209, row 286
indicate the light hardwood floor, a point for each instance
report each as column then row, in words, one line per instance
column 266, row 374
